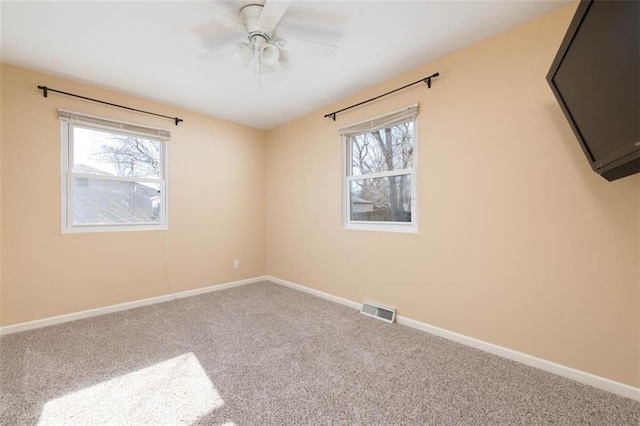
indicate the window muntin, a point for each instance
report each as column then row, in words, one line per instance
column 379, row 183
column 113, row 180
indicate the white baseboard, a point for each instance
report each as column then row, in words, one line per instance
column 121, row 307
column 542, row 364
column 539, row 363
column 45, row 322
column 219, row 287
column 318, row 293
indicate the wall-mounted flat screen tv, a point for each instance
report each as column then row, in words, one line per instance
column 596, row 79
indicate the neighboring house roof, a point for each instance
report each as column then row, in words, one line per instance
column 83, row 168
column 356, row 200
column 113, row 201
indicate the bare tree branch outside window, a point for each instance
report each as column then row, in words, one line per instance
column 131, row 156
column 383, row 150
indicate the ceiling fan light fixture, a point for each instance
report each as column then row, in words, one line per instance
column 270, row 54
column 244, row 54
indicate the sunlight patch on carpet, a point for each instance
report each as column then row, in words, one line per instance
column 175, row 391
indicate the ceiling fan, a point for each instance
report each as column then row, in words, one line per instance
column 262, row 46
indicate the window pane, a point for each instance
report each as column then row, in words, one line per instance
column 386, row 199
column 112, row 154
column 383, row 150
column 100, row 201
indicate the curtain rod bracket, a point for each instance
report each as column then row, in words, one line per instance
column 427, row 80
column 45, row 92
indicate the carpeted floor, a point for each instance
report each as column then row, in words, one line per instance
column 264, row 354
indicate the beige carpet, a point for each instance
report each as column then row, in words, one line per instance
column 265, row 354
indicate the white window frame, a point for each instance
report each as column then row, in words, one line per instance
column 380, row 122
column 68, row 121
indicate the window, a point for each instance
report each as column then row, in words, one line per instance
column 113, row 175
column 380, row 173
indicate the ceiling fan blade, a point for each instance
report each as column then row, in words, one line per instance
column 228, row 21
column 272, row 13
column 227, row 49
column 313, row 48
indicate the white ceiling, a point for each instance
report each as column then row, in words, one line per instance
column 150, row 48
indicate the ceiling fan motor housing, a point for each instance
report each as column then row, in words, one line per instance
column 259, row 38
column 250, row 16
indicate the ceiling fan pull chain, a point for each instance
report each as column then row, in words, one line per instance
column 256, row 64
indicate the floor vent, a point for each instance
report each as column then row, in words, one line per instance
column 378, row 311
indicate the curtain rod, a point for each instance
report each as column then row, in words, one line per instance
column 46, row 90
column 422, row 80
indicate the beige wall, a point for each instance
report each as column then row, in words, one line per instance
column 519, row 244
column 216, row 207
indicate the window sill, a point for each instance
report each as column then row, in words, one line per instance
column 377, row 227
column 113, row 228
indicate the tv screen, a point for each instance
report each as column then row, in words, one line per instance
column 596, row 79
